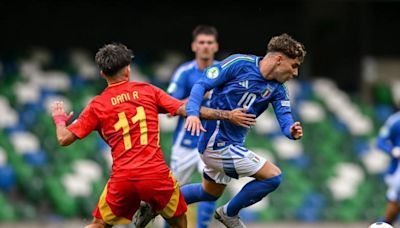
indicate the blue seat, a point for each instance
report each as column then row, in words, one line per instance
column 7, row 177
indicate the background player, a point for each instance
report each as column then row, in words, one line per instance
column 389, row 141
column 126, row 116
column 185, row 158
column 253, row 83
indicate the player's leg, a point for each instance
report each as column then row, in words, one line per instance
column 117, row 205
column 177, row 222
column 205, row 209
column 208, row 190
column 266, row 182
column 267, row 179
column 393, row 195
column 213, row 183
column 166, row 199
column 206, row 193
column 183, row 163
column 392, row 211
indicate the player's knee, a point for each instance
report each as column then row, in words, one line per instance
column 273, row 182
column 275, row 171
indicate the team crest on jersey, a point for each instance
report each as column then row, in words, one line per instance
column 212, row 73
column 267, row 91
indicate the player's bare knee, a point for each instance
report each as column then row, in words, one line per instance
column 275, row 172
column 213, row 191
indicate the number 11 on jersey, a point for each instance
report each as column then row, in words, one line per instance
column 124, row 125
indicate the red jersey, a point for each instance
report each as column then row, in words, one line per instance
column 126, row 116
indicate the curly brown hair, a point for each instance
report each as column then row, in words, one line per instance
column 288, row 46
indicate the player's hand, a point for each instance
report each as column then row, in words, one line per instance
column 193, row 124
column 58, row 113
column 239, row 117
column 296, row 130
column 396, row 152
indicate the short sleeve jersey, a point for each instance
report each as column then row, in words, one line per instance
column 126, row 116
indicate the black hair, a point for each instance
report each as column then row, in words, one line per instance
column 111, row 58
column 204, row 29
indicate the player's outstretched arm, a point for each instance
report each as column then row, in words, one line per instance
column 60, row 118
column 296, row 130
column 237, row 116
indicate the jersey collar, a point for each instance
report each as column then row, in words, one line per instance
column 117, row 83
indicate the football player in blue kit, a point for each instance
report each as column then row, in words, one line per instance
column 185, row 158
column 389, row 141
column 251, row 82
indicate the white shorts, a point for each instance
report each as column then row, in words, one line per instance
column 393, row 183
column 184, row 160
column 231, row 162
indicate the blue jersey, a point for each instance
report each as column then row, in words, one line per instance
column 237, row 82
column 183, row 79
column 389, row 137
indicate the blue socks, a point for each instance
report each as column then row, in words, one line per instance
column 251, row 193
column 194, row 193
column 205, row 211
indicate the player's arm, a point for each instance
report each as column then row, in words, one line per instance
column 283, row 113
column 176, row 87
column 237, row 116
column 382, row 141
column 212, row 78
column 60, row 118
column 388, row 139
